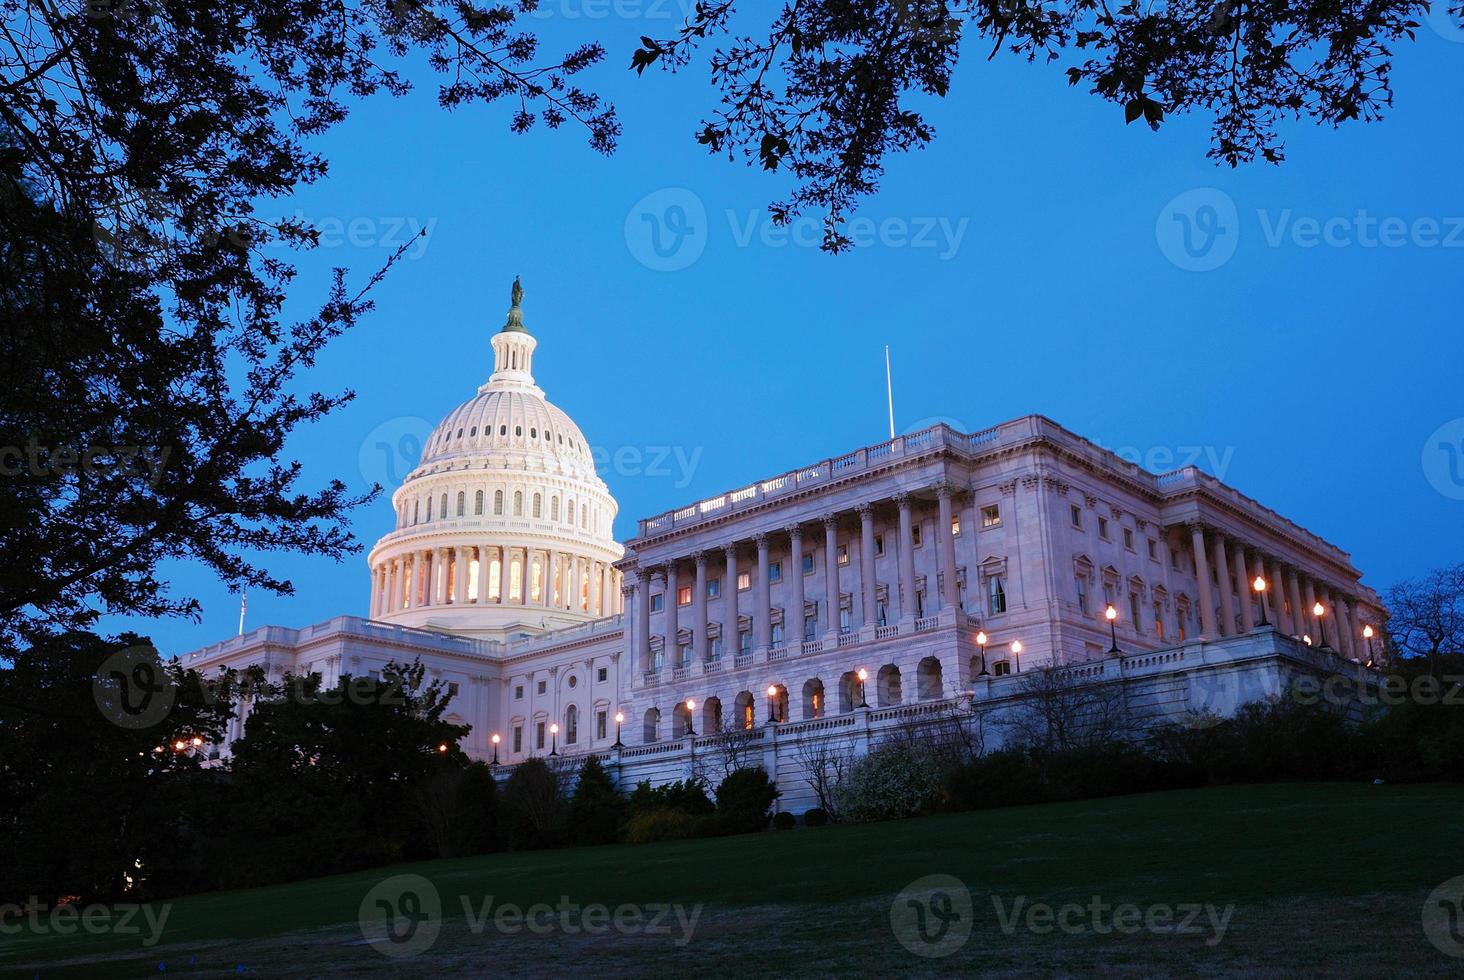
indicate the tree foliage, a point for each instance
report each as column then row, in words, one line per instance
column 1426, row 615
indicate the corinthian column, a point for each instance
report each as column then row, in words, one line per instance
column 699, row 611
column 764, row 595
column 1202, row 581
column 729, row 602
column 1247, row 622
column 795, row 584
column 907, row 559
column 866, row 564
column 1227, row 586
column 831, row 575
column 950, row 591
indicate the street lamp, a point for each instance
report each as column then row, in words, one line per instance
column 554, row 730
column 863, row 676
column 1260, row 586
column 1111, row 615
column 1017, row 654
column 772, row 704
column 496, row 740
column 1367, row 634
column 690, row 708
column 442, row 747
column 981, row 642
column 1319, row 611
column 619, row 720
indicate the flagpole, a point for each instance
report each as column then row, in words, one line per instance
column 243, row 605
column 889, row 391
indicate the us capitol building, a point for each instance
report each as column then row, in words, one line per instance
column 913, row 579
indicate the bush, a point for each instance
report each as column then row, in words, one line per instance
column 533, row 814
column 894, row 780
column 649, row 826
column 744, row 799
column 815, row 817
column 687, row 796
column 783, row 820
column 597, row 809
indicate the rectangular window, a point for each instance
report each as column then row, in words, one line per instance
column 744, row 581
column 879, row 546
column 777, row 636
column 1128, row 539
column 808, row 564
column 452, row 689
column 1153, row 549
column 1159, row 620
column 744, row 641
column 658, row 602
column 1082, row 594
column 1103, row 528
column 714, row 588
column 518, row 692
column 603, row 674
column 995, row 596
column 955, row 525
column 843, row 554
column 518, row 738
column 683, row 595
column 542, row 686
column 775, row 572
column 843, row 620
column 1077, row 513
column 717, row 648
column 915, row 535
column 1134, row 608
column 539, row 734
column 991, row 515
column 601, row 722
column 883, row 614
column 810, row 627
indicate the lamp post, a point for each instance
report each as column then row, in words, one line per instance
column 1111, row 615
column 772, row 704
column 863, row 676
column 1319, row 611
column 1367, row 634
column 981, row 642
column 690, row 708
column 1260, row 586
column 554, row 730
column 619, row 720
column 496, row 740
column 1017, row 654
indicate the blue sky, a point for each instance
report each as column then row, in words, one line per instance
column 1034, row 259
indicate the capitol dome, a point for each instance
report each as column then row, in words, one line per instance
column 503, row 527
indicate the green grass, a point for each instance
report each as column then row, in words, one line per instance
column 1324, row 879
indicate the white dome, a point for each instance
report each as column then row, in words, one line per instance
column 503, row 526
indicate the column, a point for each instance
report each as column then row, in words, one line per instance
column 408, row 582
column 1330, row 619
column 1247, row 620
column 392, row 586
column 907, row 559
column 794, row 610
column 526, row 581
column 441, row 580
column 642, row 619
column 763, row 610
column 460, row 575
column 729, row 602
column 1309, row 600
column 699, row 647
column 950, row 591
column 503, row 580
column 1276, row 594
column 1227, row 585
column 577, row 585
column 484, row 564
column 1202, row 581
column 378, row 586
column 672, row 613
column 866, row 563
column 1299, row 613
column 1346, row 639
column 831, row 574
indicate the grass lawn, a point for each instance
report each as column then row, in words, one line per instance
column 1320, row 880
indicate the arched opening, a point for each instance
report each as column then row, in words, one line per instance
column 746, row 716
column 538, row 505
column 495, row 579
column 478, row 504
column 680, row 720
column 569, row 512
column 571, row 725
column 498, row 503
column 778, row 703
column 813, row 698
column 518, row 503
column 928, row 685
column 649, row 731
column 462, row 502
column 887, row 685
column 711, row 716
column 442, row 511
column 848, row 692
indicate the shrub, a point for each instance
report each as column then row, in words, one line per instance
column 815, row 817
column 686, row 796
column 783, row 820
column 894, row 780
column 597, row 809
column 744, row 799
column 532, row 813
column 649, row 826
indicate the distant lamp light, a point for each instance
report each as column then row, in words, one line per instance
column 1111, row 614
column 981, row 642
column 1319, row 611
column 1260, row 586
column 1017, row 654
column 1367, row 634
column 442, row 747
column 690, row 708
column 772, row 704
column 863, row 676
column 1306, row 638
column 554, row 730
column 619, row 720
column 496, row 740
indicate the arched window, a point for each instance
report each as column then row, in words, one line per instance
column 518, row 503
column 745, row 713
column 416, row 512
column 680, row 720
column 813, row 698
column 515, row 580
column 651, row 724
column 571, row 725
column 569, row 511
column 848, row 692
column 778, row 703
column 498, row 502
column 887, row 685
column 928, row 679
column 443, row 512
column 712, row 716
column 495, row 579
column 478, row 504
column 462, row 502
column 538, row 505
column 554, row 508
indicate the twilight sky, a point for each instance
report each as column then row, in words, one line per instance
column 1294, row 330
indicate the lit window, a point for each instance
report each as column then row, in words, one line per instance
column 1159, row 620
column 744, row 581
column 990, row 515
column 843, row 554
column 956, row 525
column 683, row 595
